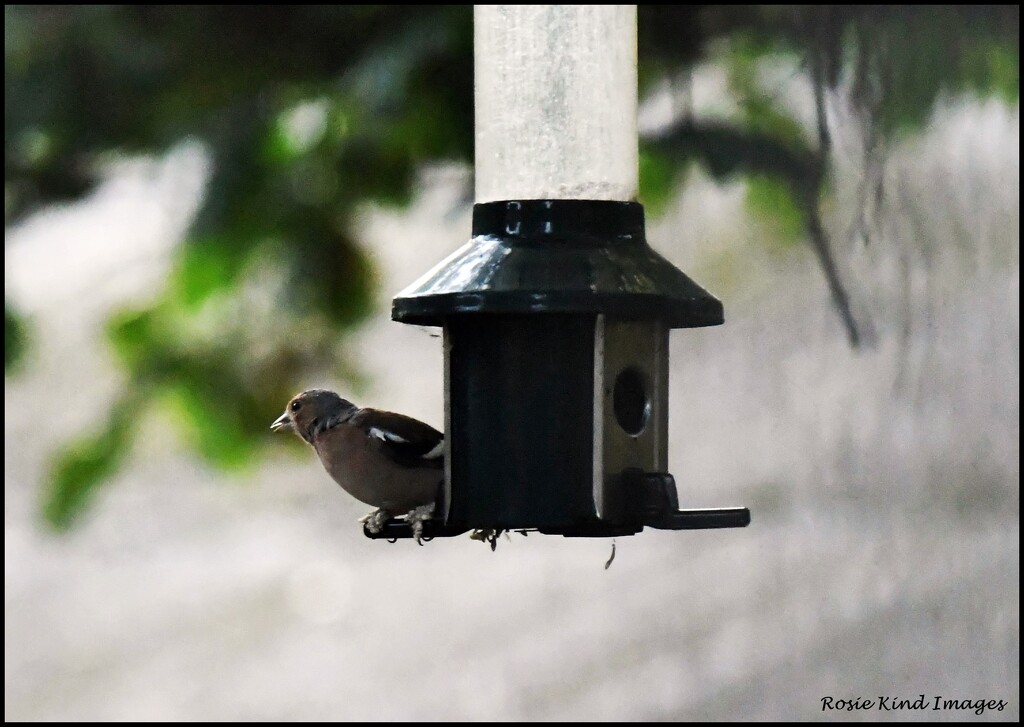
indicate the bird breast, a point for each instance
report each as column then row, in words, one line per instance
column 357, row 463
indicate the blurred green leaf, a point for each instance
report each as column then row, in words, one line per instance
column 14, row 339
column 83, row 466
column 771, row 201
column 659, row 176
column 215, row 421
column 206, row 266
column 994, row 69
column 132, row 336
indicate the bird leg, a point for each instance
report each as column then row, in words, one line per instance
column 417, row 517
column 374, row 521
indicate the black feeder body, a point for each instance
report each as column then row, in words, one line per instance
column 556, row 318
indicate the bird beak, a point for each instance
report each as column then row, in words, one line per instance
column 282, row 422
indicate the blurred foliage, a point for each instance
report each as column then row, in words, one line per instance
column 770, row 199
column 87, row 463
column 14, row 339
column 310, row 111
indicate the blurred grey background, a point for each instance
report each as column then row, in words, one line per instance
column 883, row 556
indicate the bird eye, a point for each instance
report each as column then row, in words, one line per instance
column 296, row 405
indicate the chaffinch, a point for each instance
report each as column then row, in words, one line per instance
column 387, row 460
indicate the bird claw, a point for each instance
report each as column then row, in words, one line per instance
column 417, row 517
column 374, row 521
column 488, row 536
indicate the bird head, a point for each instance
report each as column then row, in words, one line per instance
column 313, row 411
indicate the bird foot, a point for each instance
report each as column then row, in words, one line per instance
column 488, row 536
column 374, row 521
column 417, row 517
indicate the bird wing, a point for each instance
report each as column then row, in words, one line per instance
column 404, row 440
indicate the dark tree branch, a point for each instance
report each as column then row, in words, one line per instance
column 820, row 243
column 726, row 150
column 816, row 232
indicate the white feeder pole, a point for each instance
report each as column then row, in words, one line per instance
column 556, row 100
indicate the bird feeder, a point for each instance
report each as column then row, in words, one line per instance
column 556, row 314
